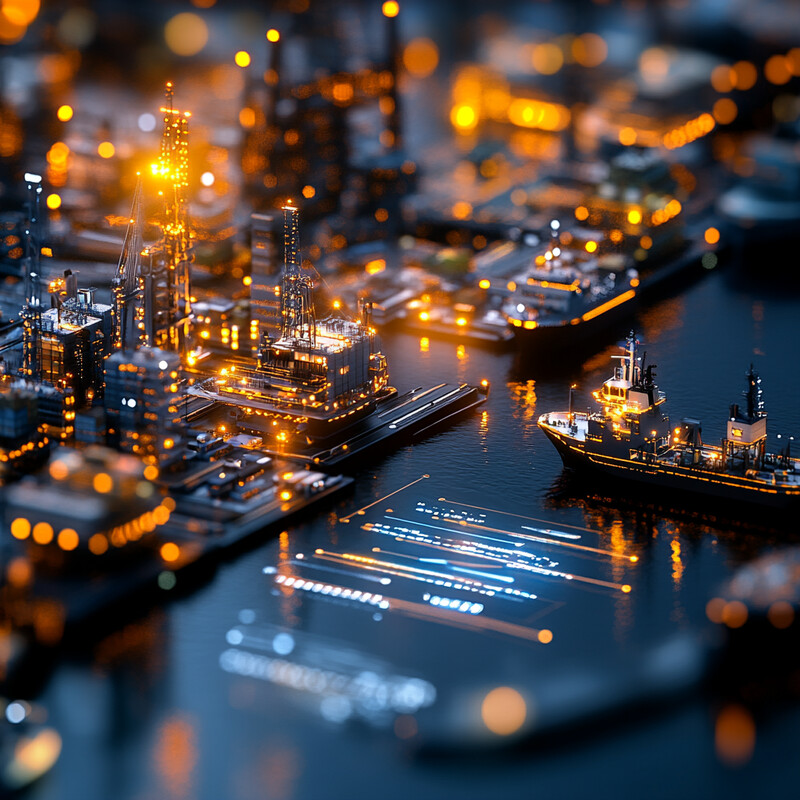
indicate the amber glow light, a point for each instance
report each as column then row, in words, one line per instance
column 170, row 552
column 503, row 711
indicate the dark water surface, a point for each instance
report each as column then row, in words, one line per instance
column 249, row 688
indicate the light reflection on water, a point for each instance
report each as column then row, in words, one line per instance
column 497, row 459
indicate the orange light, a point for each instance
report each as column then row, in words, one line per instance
column 170, row 552
column 53, row 201
column 781, row 614
column 150, row 472
column 106, row 150
column 102, row 483
column 64, row 113
column 20, row 12
column 186, row 34
column 734, row 735
column 547, row 58
column 20, row 528
column 98, row 544
column 247, row 117
column 273, row 35
column 462, row 209
column 734, row 615
column 424, row 316
column 581, row 213
column 589, row 49
column 390, row 8
column 745, row 75
column 711, row 235
column 714, row 609
column 464, row 117
column 777, row 70
column 634, row 216
column 375, row 266
column 545, row 636
column 68, row 539
column 309, row 191
column 247, row 280
column 421, row 57
column 627, row 136
column 42, row 533
column 531, row 113
column 461, row 322
column 286, row 495
column 722, row 78
column 595, row 312
column 503, row 711
column 725, row 111
column 242, row 59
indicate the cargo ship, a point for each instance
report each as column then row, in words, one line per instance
column 630, row 437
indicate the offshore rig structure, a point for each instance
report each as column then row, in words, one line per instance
column 66, row 345
column 319, row 375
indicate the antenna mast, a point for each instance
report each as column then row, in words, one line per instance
column 297, row 303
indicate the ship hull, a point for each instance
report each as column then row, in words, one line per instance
column 544, row 342
column 673, row 479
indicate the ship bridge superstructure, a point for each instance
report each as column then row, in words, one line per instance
column 631, row 389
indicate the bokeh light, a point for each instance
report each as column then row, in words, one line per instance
column 504, row 711
column 186, row 34
column 421, row 57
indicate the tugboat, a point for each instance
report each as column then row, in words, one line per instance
column 631, row 437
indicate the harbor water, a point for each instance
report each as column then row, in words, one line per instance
column 371, row 675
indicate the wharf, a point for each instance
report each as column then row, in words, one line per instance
column 200, row 528
column 407, row 416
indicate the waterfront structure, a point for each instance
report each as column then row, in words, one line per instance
column 87, row 503
column 142, row 407
column 266, row 249
column 321, row 375
column 164, row 312
column 23, row 443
